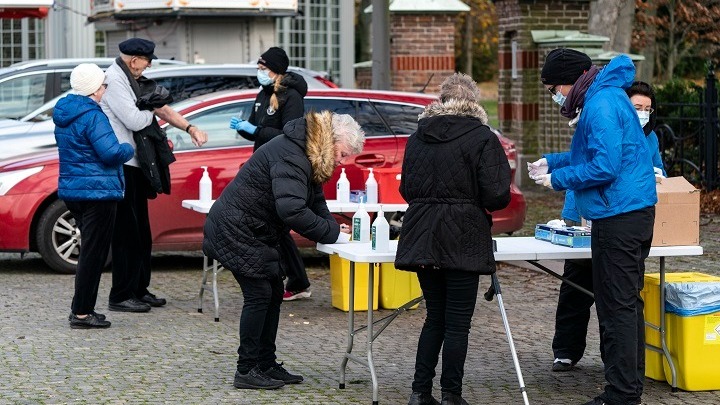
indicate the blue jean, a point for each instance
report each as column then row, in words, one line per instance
column 450, row 298
column 259, row 321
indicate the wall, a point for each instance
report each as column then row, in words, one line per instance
column 68, row 33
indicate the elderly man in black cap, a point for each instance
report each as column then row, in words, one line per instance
column 610, row 173
column 132, row 239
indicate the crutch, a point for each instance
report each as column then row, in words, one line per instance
column 495, row 290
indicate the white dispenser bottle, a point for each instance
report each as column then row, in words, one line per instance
column 205, row 186
column 343, row 188
column 361, row 225
column 371, row 189
column 380, row 233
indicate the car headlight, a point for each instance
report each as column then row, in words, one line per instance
column 8, row 180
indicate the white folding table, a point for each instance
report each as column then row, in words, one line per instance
column 508, row 249
column 214, row 268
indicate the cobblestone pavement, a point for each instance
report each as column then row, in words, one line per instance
column 175, row 355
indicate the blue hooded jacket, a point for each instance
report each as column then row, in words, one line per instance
column 609, row 166
column 90, row 156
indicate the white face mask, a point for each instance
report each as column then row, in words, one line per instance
column 264, row 78
column 559, row 98
column 644, row 117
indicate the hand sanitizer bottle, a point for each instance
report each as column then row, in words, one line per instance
column 380, row 233
column 361, row 225
column 371, row 188
column 343, row 188
column 205, row 186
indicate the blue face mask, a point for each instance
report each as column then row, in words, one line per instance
column 264, row 78
column 644, row 117
column 559, row 98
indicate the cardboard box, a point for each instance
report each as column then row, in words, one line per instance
column 677, row 213
column 575, row 237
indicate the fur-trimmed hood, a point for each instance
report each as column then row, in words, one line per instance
column 316, row 133
column 448, row 120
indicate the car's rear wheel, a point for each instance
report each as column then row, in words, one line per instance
column 58, row 238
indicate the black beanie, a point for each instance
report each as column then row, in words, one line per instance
column 564, row 66
column 275, row 59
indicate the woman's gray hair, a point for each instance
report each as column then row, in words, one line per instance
column 347, row 131
column 459, row 86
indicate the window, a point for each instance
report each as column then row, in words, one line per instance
column 190, row 86
column 361, row 111
column 21, row 39
column 402, row 119
column 216, row 122
column 21, row 95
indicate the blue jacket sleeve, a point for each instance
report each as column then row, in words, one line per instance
column 557, row 160
column 105, row 143
column 654, row 146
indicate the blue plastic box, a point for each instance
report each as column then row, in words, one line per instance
column 543, row 232
column 575, row 238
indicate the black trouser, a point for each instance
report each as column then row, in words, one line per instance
column 297, row 279
column 573, row 311
column 95, row 220
column 450, row 297
column 258, row 321
column 620, row 245
column 132, row 240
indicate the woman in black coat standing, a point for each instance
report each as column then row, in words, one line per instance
column 280, row 101
column 454, row 172
column 279, row 189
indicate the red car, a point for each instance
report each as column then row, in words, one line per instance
column 34, row 220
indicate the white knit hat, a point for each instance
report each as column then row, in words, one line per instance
column 86, row 78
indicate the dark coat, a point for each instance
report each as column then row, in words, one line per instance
column 290, row 93
column 454, row 171
column 278, row 189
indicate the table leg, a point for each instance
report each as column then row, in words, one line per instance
column 351, row 325
column 371, row 337
column 203, row 283
column 215, row 271
column 662, row 329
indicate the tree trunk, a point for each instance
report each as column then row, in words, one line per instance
column 647, row 67
column 468, row 41
column 362, row 32
column 603, row 20
column 626, row 19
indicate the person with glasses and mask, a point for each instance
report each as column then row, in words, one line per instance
column 279, row 101
column 90, row 183
column 573, row 309
column 609, row 171
column 132, row 237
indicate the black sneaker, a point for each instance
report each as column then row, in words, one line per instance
column 422, row 398
column 129, row 305
column 562, row 366
column 595, row 401
column 278, row 372
column 152, row 300
column 89, row 322
column 255, row 379
column 97, row 314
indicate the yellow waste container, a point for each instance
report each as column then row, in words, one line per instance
column 340, row 284
column 397, row 287
column 694, row 349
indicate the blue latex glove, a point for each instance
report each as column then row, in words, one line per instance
column 235, row 123
column 246, row 126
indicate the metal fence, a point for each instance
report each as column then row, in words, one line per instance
column 688, row 135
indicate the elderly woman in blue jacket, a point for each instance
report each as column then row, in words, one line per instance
column 91, row 182
column 609, row 169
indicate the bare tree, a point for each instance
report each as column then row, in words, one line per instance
column 613, row 19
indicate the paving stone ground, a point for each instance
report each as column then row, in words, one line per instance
column 175, row 355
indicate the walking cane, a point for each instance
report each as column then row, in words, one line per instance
column 495, row 290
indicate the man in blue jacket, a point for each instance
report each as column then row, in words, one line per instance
column 610, row 172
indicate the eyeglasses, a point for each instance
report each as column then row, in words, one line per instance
column 104, row 85
column 145, row 58
column 553, row 89
column 649, row 110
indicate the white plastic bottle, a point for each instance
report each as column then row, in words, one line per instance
column 371, row 189
column 361, row 225
column 205, row 186
column 343, row 188
column 380, row 233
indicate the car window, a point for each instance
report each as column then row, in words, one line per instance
column 402, row 118
column 64, row 81
column 216, row 122
column 361, row 111
column 185, row 87
column 21, row 95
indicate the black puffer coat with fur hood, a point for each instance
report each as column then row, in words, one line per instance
column 278, row 189
column 454, row 172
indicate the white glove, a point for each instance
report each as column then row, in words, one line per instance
column 544, row 180
column 537, row 168
column 658, row 172
column 343, row 238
